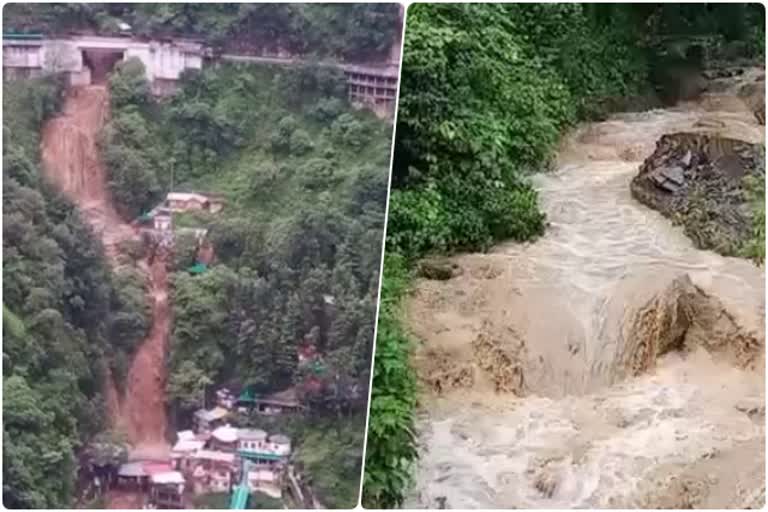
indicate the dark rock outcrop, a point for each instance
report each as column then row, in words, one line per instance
column 753, row 95
column 697, row 180
column 437, row 269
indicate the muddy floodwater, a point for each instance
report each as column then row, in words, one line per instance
column 548, row 378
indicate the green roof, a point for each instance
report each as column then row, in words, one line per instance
column 197, row 268
column 259, row 455
column 247, row 396
column 19, row 35
column 318, row 367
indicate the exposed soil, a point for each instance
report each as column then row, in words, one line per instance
column 610, row 363
column 124, row 500
column 72, row 163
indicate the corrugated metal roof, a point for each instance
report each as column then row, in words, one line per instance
column 186, row 196
column 132, row 470
column 279, row 439
column 252, row 434
column 167, row 477
column 214, row 455
column 216, row 413
column 183, row 435
column 225, row 434
column 188, row 445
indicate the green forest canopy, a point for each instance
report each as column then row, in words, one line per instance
column 70, row 317
column 344, row 31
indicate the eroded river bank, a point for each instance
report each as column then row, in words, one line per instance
column 609, row 363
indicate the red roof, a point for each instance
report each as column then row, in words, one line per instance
column 152, row 468
column 307, row 351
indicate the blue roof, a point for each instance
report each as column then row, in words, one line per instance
column 260, row 455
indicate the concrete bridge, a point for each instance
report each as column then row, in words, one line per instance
column 89, row 59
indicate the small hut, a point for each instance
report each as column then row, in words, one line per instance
column 207, row 420
column 166, row 489
column 132, row 475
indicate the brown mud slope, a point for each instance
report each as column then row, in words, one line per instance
column 610, row 363
column 72, row 163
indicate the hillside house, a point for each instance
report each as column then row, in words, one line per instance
column 266, row 481
column 224, row 439
column 162, row 219
column 207, row 420
column 186, row 446
column 263, row 451
column 189, row 201
column 307, row 353
column 132, row 475
column 250, row 439
column 224, row 397
column 166, row 489
column 211, row 471
column 277, row 403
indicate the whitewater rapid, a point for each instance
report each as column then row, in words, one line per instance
column 689, row 432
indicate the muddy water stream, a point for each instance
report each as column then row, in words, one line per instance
column 579, row 429
column 72, row 163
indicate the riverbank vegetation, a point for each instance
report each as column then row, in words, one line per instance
column 486, row 93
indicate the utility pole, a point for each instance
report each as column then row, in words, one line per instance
column 173, row 165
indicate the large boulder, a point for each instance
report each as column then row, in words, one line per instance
column 652, row 313
column 698, row 180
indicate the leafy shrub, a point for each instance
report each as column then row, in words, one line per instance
column 318, row 173
column 417, row 221
column 349, row 131
column 301, row 143
column 262, row 176
column 327, row 109
column 755, row 191
column 391, row 446
column 128, row 84
column 281, row 137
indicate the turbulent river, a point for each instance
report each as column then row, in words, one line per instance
column 548, row 403
column 73, row 164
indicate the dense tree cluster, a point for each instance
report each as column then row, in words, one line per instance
column 130, row 152
column 67, row 319
column 349, row 32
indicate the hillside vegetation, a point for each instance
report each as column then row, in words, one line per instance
column 349, row 32
column 64, row 315
column 297, row 244
column 486, row 93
